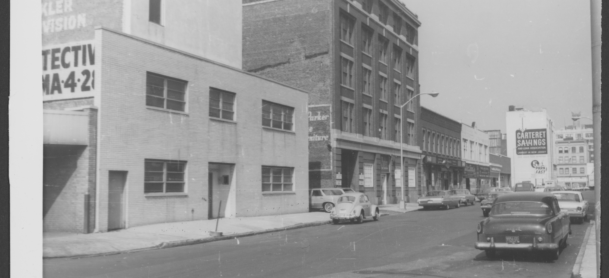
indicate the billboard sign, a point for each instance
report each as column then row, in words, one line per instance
column 531, row 141
column 319, row 137
column 68, row 71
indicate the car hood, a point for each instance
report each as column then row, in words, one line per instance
column 570, row 205
column 501, row 224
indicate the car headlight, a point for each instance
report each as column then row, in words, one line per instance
column 479, row 228
column 549, row 228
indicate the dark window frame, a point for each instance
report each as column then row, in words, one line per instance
column 156, row 92
column 225, row 104
column 170, row 176
column 279, row 116
column 272, row 182
column 155, row 11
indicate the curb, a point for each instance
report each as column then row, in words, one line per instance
column 580, row 255
column 178, row 243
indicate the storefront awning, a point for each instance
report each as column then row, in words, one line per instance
column 65, row 128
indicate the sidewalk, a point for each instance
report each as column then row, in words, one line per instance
column 62, row 245
column 585, row 264
column 396, row 207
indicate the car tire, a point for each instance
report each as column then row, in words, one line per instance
column 490, row 254
column 564, row 242
column 377, row 215
column 335, row 221
column 328, row 207
column 360, row 218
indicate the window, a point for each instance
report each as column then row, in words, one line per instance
column 383, row 13
column 574, row 170
column 561, row 171
column 154, row 12
column 581, row 149
column 165, row 92
column 560, row 150
column 424, row 146
column 397, row 58
column 347, row 124
column 559, row 136
column 397, row 93
column 396, row 129
column 346, row 29
column 397, row 23
column 367, row 86
column 346, row 78
column 560, row 159
column 573, row 159
column 367, row 5
column 411, row 34
column 588, row 135
column 566, row 171
column 581, row 170
column 164, row 176
column 367, row 40
column 581, row 159
column 465, row 147
column 579, row 136
column 411, row 134
column 383, row 45
column 221, row 104
column 383, row 125
column 409, row 96
column 410, row 64
column 367, row 121
column 383, row 87
column 573, row 150
column 277, row 179
column 277, row 115
column 566, row 150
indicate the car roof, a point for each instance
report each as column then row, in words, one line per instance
column 567, row 191
column 353, row 194
column 526, row 196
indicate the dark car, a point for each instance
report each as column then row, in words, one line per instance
column 487, row 203
column 524, row 186
column 524, row 221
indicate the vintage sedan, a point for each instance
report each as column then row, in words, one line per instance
column 524, row 221
column 439, row 199
column 354, row 207
column 324, row 198
column 464, row 196
column 573, row 203
column 487, row 203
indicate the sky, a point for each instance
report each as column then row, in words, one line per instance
column 482, row 56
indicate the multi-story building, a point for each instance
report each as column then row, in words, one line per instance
column 571, row 162
column 577, row 132
column 149, row 118
column 529, row 145
column 496, row 139
column 440, row 138
column 501, row 170
column 475, row 154
column 359, row 61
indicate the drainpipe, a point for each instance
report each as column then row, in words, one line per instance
column 595, row 22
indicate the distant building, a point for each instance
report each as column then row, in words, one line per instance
column 501, row 170
column 530, row 146
column 575, row 152
column 359, row 61
column 497, row 142
column 475, row 154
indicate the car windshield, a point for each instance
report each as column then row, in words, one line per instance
column 569, row 197
column 521, row 208
column 434, row 194
column 346, row 199
column 333, row 192
column 348, row 190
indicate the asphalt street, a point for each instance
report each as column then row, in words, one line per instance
column 436, row 243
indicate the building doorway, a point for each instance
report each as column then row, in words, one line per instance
column 116, row 199
column 221, row 188
column 467, row 186
column 348, row 166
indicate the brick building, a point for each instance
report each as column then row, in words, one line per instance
column 358, row 59
column 146, row 123
column 475, row 154
column 440, row 139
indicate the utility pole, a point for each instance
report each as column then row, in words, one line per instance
column 595, row 22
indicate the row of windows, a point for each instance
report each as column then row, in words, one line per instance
column 399, row 25
column 477, row 151
column 348, row 124
column 565, row 171
column 437, row 143
column 577, row 136
column 168, row 176
column 170, row 93
column 573, row 149
column 572, row 159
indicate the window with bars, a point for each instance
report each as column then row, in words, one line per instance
column 367, row 114
column 383, row 125
column 367, row 40
column 383, row 87
column 367, row 76
column 346, row 28
column 165, row 92
column 277, row 179
column 346, row 77
column 164, row 176
column 397, row 59
column 347, row 109
column 154, row 11
column 383, row 45
column 397, row 94
column 277, row 116
column 410, row 65
column 221, row 104
column 396, row 129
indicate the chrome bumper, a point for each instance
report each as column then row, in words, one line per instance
column 343, row 217
column 516, row 246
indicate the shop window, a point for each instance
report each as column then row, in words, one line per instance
column 347, row 109
column 367, row 40
column 221, row 104
column 346, row 66
column 154, row 11
column 165, row 92
column 277, row 179
column 367, row 121
column 277, row 116
column 383, row 87
column 164, row 176
column 346, row 28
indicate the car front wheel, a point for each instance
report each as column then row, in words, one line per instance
column 328, row 207
column 360, row 218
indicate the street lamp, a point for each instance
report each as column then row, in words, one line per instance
column 433, row 94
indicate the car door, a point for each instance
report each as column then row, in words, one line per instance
column 363, row 200
column 316, row 198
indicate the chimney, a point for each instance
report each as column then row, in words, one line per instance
column 511, row 108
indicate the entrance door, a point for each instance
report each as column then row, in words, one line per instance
column 385, row 182
column 220, row 178
column 210, row 194
column 116, row 199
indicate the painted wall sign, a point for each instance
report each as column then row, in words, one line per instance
column 470, row 171
column 539, row 167
column 484, row 171
column 68, row 71
column 320, row 153
column 531, row 141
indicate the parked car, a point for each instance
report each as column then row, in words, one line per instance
column 487, row 203
column 347, row 190
column 524, row 186
column 439, row 199
column 553, row 188
column 354, row 207
column 465, row 197
column 487, row 191
column 524, row 221
column 574, row 204
column 540, row 188
column 576, row 188
column 324, row 198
